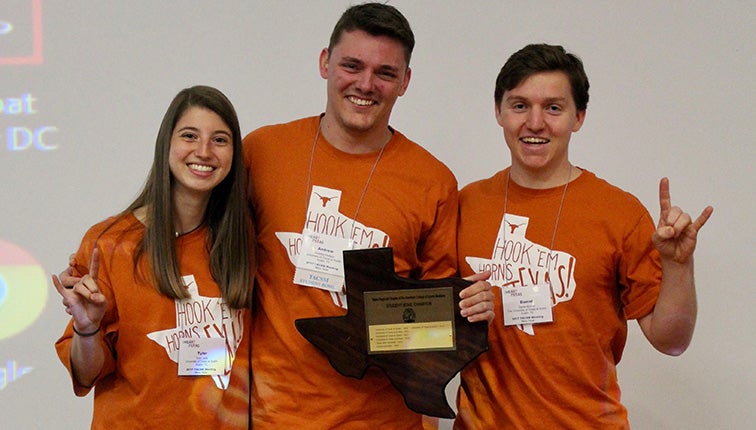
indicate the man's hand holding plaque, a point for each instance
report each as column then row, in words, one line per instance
column 411, row 329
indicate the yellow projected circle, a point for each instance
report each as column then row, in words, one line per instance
column 23, row 289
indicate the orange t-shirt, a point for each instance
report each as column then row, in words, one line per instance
column 603, row 270
column 139, row 385
column 409, row 204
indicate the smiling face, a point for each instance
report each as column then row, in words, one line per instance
column 365, row 74
column 201, row 153
column 538, row 117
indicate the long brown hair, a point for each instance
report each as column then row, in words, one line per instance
column 227, row 214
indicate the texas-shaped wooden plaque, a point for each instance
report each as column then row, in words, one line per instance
column 419, row 372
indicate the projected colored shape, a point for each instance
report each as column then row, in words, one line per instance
column 21, row 33
column 3, row 290
column 23, row 289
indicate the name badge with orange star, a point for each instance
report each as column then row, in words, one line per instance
column 205, row 356
column 527, row 305
column 321, row 261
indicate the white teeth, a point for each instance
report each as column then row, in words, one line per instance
column 361, row 102
column 200, row 167
column 534, row 140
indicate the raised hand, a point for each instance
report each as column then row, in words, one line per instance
column 83, row 300
column 675, row 235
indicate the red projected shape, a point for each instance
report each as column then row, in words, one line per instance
column 31, row 11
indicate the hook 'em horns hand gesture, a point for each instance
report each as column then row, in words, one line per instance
column 675, row 235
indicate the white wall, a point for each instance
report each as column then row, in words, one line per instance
column 672, row 93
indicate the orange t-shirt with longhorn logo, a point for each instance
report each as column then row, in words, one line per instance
column 603, row 270
column 142, row 332
column 408, row 203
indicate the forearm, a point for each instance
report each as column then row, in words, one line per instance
column 87, row 357
column 674, row 316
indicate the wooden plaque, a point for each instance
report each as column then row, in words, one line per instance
column 411, row 329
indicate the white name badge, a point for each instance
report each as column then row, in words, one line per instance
column 204, row 356
column 321, row 261
column 527, row 305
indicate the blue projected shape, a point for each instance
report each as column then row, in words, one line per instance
column 3, row 291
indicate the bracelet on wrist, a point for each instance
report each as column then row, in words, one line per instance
column 73, row 326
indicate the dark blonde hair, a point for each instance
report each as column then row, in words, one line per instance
column 227, row 215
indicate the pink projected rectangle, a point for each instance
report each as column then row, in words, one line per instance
column 30, row 39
